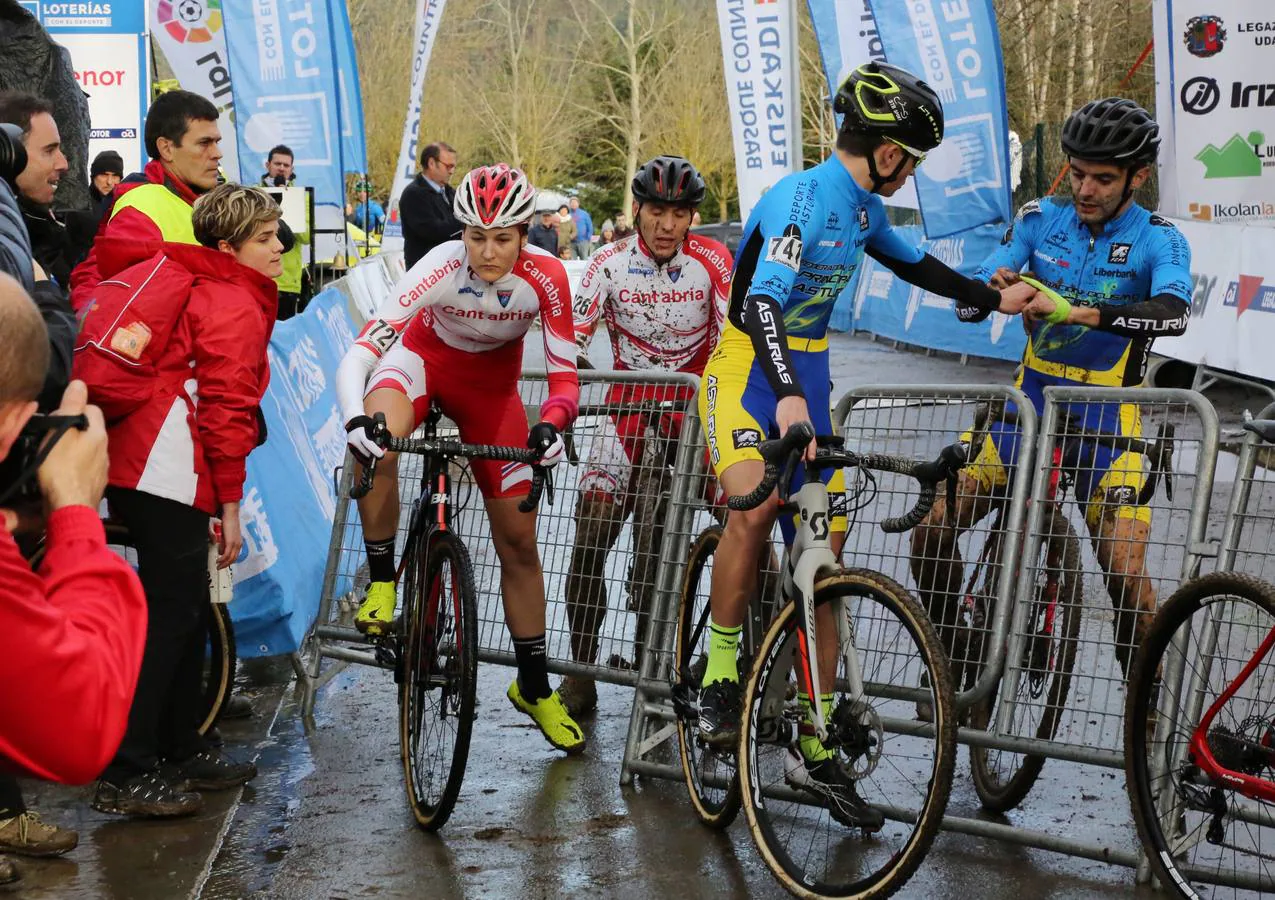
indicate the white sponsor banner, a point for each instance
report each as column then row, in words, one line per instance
column 111, row 69
column 189, row 33
column 1216, row 99
column 759, row 49
column 1232, row 324
column 428, row 14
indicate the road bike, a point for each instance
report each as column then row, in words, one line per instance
column 1200, row 735
column 1050, row 623
column 888, row 657
column 433, row 645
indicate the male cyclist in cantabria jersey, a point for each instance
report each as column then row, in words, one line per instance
column 800, row 248
column 1113, row 277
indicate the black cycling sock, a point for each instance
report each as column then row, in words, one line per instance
column 533, row 667
column 380, row 559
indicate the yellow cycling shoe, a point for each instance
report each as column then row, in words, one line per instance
column 551, row 716
column 376, row 615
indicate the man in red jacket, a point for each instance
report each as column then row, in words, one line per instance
column 72, row 634
column 183, row 142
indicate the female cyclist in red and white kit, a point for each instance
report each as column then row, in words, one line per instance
column 451, row 331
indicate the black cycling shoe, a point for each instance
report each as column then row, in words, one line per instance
column 148, row 795
column 209, row 770
column 719, row 713
column 828, row 781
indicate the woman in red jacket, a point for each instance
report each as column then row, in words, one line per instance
column 178, row 459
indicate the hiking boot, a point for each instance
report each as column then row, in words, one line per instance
column 376, row 616
column 28, row 836
column 10, row 877
column 826, row 780
column 719, row 713
column 209, row 770
column 551, row 716
column 579, row 695
column 145, row 796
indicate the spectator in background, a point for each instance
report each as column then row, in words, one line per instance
column 622, row 227
column 368, row 215
column 583, row 243
column 166, row 498
column 38, row 182
column 544, row 232
column 279, row 167
column 426, row 205
column 608, row 233
column 182, row 141
column 106, row 172
column 566, row 233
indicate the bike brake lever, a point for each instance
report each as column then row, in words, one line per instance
column 549, row 486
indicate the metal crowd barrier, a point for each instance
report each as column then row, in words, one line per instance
column 1248, row 537
column 608, row 589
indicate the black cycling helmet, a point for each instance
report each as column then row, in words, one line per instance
column 668, row 179
column 886, row 101
column 1112, row 130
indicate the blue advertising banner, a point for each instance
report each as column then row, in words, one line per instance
column 288, row 502
column 955, row 46
column 283, row 66
column 885, row 305
column 353, row 142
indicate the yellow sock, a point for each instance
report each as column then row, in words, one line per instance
column 811, row 748
column 723, row 651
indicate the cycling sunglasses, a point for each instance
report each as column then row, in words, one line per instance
column 916, row 155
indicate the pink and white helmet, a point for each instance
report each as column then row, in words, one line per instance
column 494, row 197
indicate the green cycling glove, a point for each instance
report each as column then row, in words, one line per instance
column 1062, row 308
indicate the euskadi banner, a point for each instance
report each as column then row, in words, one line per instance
column 428, row 14
column 1215, row 100
column 954, row 45
column 282, row 59
column 107, row 43
column 846, row 31
column 759, row 50
column 191, row 36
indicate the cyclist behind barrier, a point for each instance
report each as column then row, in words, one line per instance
column 451, row 332
column 801, row 247
column 662, row 292
column 1115, row 277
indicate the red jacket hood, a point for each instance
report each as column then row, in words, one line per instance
column 115, row 255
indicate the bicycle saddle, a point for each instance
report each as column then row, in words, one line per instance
column 1263, row 428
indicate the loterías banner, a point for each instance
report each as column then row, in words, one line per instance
column 955, row 47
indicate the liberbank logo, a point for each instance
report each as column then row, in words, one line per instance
column 1240, row 157
column 1250, row 293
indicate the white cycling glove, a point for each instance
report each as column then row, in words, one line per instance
column 546, row 439
column 361, row 445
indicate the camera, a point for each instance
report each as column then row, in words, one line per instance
column 13, row 153
column 18, row 485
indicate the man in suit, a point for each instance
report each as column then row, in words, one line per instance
column 426, row 205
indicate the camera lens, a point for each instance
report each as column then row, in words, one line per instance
column 13, row 155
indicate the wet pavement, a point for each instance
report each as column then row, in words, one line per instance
column 327, row 817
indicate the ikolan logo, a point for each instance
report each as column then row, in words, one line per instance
column 1204, row 36
column 189, row 21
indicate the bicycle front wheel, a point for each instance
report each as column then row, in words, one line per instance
column 712, row 780
column 1051, row 631
column 1202, row 837
column 899, row 765
column 439, row 677
column 220, row 661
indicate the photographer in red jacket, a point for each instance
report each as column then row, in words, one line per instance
column 178, row 458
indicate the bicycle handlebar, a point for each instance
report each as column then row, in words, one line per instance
column 540, row 478
column 787, row 451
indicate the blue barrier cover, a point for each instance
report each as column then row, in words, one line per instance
column 880, row 303
column 289, row 498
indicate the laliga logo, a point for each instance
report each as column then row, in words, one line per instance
column 189, row 21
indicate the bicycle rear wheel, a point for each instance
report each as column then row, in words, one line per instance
column 906, row 770
column 710, row 773
column 1202, row 837
column 1003, row 778
column 439, row 674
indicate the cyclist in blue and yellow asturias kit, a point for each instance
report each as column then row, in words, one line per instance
column 1113, row 277
column 800, row 248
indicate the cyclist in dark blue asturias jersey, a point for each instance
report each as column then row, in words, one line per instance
column 1114, row 276
column 800, row 248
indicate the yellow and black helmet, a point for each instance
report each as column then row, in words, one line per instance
column 888, row 102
